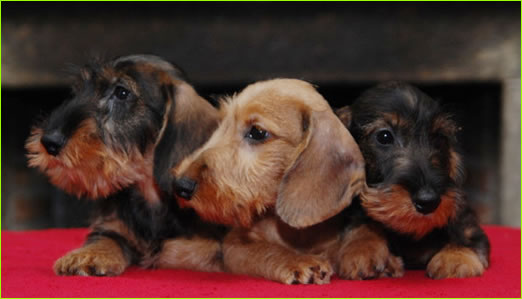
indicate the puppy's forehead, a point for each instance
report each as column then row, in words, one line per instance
column 141, row 69
column 147, row 62
column 278, row 96
column 395, row 103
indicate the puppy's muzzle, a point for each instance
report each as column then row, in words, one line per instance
column 426, row 200
column 185, row 187
column 53, row 142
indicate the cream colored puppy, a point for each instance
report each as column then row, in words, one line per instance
column 279, row 169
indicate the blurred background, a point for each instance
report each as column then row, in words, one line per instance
column 467, row 55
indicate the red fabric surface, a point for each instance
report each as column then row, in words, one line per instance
column 27, row 259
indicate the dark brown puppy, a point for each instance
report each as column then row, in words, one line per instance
column 412, row 160
column 279, row 169
column 131, row 119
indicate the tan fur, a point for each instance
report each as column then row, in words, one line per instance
column 87, row 167
column 444, row 125
column 264, row 173
column 263, row 252
column 196, row 253
column 385, row 120
column 326, row 160
column 455, row 262
column 393, row 207
column 190, row 105
column 455, row 166
column 364, row 254
column 103, row 256
column 279, row 193
column 166, row 117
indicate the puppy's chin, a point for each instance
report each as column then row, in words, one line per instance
column 223, row 206
column 85, row 167
column 392, row 206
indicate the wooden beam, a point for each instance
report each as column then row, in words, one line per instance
column 242, row 42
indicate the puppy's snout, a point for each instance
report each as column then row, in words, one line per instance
column 185, row 187
column 53, row 142
column 426, row 201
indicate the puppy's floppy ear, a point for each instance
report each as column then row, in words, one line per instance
column 345, row 115
column 328, row 171
column 190, row 122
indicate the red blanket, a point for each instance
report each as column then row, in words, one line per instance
column 27, row 259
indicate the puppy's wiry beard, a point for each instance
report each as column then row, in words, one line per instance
column 86, row 166
column 225, row 205
column 393, row 207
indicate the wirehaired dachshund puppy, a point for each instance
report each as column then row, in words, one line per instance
column 130, row 121
column 279, row 169
column 413, row 164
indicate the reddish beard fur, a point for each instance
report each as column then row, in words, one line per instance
column 86, row 166
column 393, row 207
column 221, row 206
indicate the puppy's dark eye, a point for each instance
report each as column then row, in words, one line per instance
column 385, row 137
column 121, row 93
column 257, row 134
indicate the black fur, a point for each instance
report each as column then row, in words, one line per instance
column 154, row 223
column 66, row 118
column 133, row 122
column 178, row 141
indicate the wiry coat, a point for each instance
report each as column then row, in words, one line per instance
column 278, row 170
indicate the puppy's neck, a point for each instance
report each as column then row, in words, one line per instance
column 147, row 186
column 313, row 239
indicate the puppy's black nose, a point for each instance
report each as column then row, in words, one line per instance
column 53, row 142
column 426, row 201
column 185, row 187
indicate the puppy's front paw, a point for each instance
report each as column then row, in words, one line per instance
column 394, row 267
column 454, row 262
column 87, row 261
column 367, row 262
column 306, row 270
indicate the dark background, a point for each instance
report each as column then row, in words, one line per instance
column 467, row 55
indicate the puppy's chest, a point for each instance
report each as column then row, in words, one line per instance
column 417, row 253
column 316, row 239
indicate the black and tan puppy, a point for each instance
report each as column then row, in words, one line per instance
column 131, row 119
column 410, row 148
